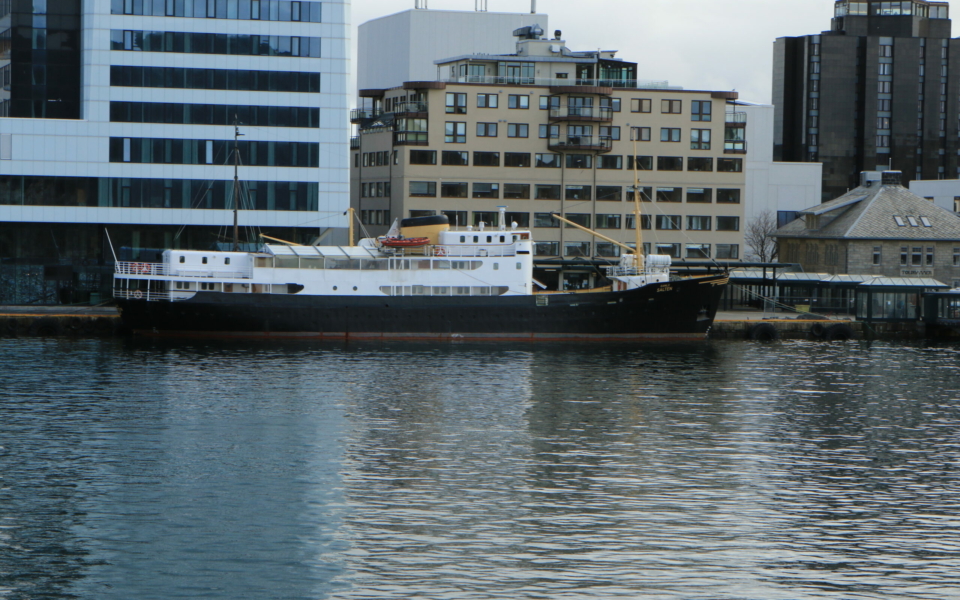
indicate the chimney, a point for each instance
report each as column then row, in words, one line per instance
column 556, row 34
column 890, row 178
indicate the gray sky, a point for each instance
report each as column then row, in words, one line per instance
column 696, row 44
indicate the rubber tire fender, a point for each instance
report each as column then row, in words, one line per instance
column 817, row 330
column 764, row 332
column 840, row 332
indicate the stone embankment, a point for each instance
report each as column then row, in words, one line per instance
column 760, row 327
column 76, row 321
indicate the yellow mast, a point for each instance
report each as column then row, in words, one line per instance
column 635, row 133
column 350, row 212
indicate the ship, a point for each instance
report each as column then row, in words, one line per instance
column 470, row 283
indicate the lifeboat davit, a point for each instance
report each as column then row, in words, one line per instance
column 415, row 242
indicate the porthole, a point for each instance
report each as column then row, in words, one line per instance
column 354, row 288
column 334, row 288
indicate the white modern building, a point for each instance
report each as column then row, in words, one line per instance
column 402, row 47
column 945, row 193
column 781, row 189
column 119, row 115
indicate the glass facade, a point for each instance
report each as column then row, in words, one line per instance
column 213, row 114
column 156, row 193
column 262, row 10
column 214, row 79
column 40, row 59
column 214, row 43
column 214, row 152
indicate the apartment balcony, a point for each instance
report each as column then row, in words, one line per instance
column 361, row 115
column 410, row 138
column 355, row 142
column 734, row 147
column 736, row 118
column 565, row 83
column 410, row 110
column 582, row 114
column 594, row 143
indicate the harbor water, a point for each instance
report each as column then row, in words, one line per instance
column 721, row 470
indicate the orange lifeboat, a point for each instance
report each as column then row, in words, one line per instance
column 405, row 242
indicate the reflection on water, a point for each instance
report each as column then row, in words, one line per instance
column 727, row 470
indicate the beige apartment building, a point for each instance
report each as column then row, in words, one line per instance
column 548, row 130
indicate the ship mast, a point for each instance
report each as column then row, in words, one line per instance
column 236, row 182
column 638, row 252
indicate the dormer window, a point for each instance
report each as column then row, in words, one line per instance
column 926, row 222
column 913, row 222
column 899, row 221
column 812, row 221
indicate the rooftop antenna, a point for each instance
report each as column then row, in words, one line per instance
column 533, row 7
column 480, row 5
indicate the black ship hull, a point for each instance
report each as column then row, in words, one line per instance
column 682, row 309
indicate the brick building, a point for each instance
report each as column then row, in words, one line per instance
column 879, row 228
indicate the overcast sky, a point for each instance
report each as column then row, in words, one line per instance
column 696, row 44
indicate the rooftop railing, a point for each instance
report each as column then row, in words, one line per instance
column 736, row 117
column 548, row 82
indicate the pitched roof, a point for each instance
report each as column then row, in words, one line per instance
column 871, row 212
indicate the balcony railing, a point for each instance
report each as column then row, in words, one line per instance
column 363, row 114
column 355, row 142
column 600, row 143
column 548, row 82
column 734, row 147
column 581, row 113
column 410, row 107
column 410, row 138
column 736, row 117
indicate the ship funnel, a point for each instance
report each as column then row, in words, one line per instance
column 428, row 227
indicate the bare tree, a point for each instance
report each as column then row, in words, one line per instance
column 759, row 237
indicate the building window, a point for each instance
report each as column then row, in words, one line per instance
column 516, row 191
column 576, row 248
column 548, row 161
column 877, row 255
column 607, row 250
column 669, row 250
column 701, row 110
column 549, row 131
column 669, row 134
column 884, row 87
column 640, row 134
column 455, row 158
column 608, row 221
column 453, row 190
column 610, row 193
column 883, row 141
column 579, row 161
column 883, row 105
column 423, row 157
column 486, row 130
column 668, row 222
column 610, row 133
column 581, row 219
column 699, row 139
column 487, row 100
column 903, row 256
column 423, row 189
column 643, row 163
column 698, row 250
column 609, row 162
column 729, row 165
column 728, row 251
column 641, row 105
column 700, row 195
column 916, row 257
column 956, row 257
column 700, row 163
column 547, row 192
column 929, row 257
column 646, row 194
column 698, row 223
column 516, row 159
column 577, row 192
column 547, row 248
column 485, row 217
column 549, row 102
column 486, row 190
column 455, row 133
column 486, row 159
column 671, row 107
column 517, row 130
column 456, row 104
column 545, row 220
column 886, row 51
column 728, row 223
column 457, row 217
column 669, row 163
column 728, row 196
column 522, row 219
column 518, row 101
column 669, row 194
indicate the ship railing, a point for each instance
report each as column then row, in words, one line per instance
column 148, row 295
column 459, row 251
column 140, row 268
column 618, row 271
column 162, row 270
column 207, row 274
